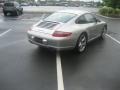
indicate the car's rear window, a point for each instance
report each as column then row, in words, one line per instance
column 60, row 17
column 8, row 4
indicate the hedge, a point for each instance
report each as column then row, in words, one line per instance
column 109, row 11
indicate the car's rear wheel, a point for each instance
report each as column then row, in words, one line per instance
column 81, row 43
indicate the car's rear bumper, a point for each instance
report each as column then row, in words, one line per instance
column 51, row 47
column 58, row 44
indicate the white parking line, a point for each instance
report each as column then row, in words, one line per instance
column 60, row 82
column 59, row 67
column 113, row 38
column 5, row 32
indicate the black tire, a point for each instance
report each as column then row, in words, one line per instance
column 5, row 13
column 103, row 33
column 17, row 13
column 21, row 12
column 81, row 43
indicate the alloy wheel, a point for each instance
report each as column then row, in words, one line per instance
column 82, row 43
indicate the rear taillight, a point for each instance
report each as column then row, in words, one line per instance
column 61, row 34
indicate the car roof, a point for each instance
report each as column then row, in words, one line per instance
column 74, row 11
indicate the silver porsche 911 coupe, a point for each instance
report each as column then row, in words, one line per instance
column 67, row 29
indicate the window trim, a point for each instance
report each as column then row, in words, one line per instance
column 92, row 16
column 76, row 21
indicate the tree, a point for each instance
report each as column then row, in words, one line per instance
column 20, row 1
column 112, row 3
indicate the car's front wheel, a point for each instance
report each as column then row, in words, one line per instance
column 21, row 12
column 104, row 31
column 81, row 43
column 17, row 13
column 5, row 13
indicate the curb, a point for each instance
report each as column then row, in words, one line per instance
column 108, row 17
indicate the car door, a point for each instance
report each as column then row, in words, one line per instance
column 99, row 27
column 91, row 25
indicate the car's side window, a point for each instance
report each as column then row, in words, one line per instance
column 90, row 18
column 81, row 20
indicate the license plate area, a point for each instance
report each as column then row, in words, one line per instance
column 39, row 40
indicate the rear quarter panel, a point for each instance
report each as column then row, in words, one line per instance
column 76, row 30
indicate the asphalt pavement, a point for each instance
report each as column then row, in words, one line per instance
column 24, row 66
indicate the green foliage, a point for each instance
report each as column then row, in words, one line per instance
column 103, row 11
column 117, row 11
column 21, row 1
column 112, row 3
column 109, row 11
column 106, row 11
